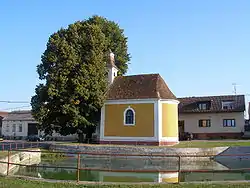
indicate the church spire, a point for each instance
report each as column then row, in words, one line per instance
column 112, row 69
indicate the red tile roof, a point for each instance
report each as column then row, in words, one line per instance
column 3, row 114
column 190, row 104
column 145, row 86
column 24, row 115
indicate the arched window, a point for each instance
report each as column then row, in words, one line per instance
column 129, row 116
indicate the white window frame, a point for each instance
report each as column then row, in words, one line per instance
column 124, row 116
column 20, row 126
column 228, row 104
column 203, row 106
column 231, row 121
column 14, row 128
column 7, row 128
column 207, row 120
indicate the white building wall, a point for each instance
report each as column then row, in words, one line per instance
column 8, row 125
column 24, row 132
column 191, row 122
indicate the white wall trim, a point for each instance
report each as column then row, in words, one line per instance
column 156, row 121
column 124, row 116
column 130, row 101
column 138, row 101
column 170, row 175
column 170, row 139
column 102, row 124
column 159, row 119
column 118, row 138
column 170, row 101
column 132, row 139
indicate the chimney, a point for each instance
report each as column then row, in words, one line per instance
column 112, row 69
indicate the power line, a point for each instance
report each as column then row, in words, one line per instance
column 15, row 102
column 15, row 108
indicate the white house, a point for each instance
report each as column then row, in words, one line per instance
column 2, row 115
column 21, row 124
column 212, row 116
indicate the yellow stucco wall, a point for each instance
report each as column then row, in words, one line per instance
column 144, row 120
column 169, row 120
column 170, row 180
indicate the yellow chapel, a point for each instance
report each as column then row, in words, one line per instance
column 139, row 110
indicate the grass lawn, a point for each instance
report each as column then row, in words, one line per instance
column 210, row 144
column 21, row 183
column 3, row 153
column 183, row 144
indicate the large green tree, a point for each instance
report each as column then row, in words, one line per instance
column 74, row 75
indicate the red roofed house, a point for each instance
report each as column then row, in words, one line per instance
column 212, row 116
column 139, row 109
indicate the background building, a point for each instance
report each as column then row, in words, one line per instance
column 2, row 115
column 20, row 124
column 212, row 116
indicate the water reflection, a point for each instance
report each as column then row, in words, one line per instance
column 133, row 170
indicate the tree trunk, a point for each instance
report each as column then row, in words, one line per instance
column 80, row 137
column 89, row 137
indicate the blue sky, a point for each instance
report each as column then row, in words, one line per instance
column 199, row 47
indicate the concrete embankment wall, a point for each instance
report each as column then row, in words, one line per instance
column 235, row 157
column 147, row 162
column 218, row 161
column 23, row 158
column 139, row 150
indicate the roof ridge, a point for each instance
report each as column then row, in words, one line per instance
column 161, row 82
column 207, row 96
column 146, row 74
column 157, row 86
column 139, row 87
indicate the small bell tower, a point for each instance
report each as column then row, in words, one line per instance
column 112, row 69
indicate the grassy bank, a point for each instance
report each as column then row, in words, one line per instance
column 46, row 154
column 210, row 144
column 183, row 144
column 20, row 183
column 3, row 154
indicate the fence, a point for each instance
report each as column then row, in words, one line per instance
column 5, row 146
column 78, row 167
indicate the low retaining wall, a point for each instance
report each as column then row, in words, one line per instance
column 23, row 158
column 138, row 150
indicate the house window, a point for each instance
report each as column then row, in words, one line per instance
column 14, row 128
column 129, row 116
column 229, row 123
column 203, row 106
column 20, row 128
column 227, row 105
column 204, row 123
column 7, row 128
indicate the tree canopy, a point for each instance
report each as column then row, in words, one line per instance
column 74, row 72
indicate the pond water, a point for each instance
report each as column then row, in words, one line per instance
column 139, row 170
